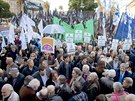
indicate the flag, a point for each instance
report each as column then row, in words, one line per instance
column 133, row 28
column 11, row 36
column 40, row 27
column 116, row 16
column 3, row 42
column 122, row 30
column 23, row 40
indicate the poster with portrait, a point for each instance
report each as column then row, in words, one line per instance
column 69, row 38
column 78, row 36
column 87, row 37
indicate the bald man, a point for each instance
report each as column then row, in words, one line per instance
column 130, row 97
column 8, row 93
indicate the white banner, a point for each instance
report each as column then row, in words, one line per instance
column 114, row 44
column 87, row 37
column 78, row 35
column 101, row 40
column 70, row 48
column 69, row 38
column 127, row 44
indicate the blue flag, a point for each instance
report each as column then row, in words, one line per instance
column 122, row 30
column 133, row 28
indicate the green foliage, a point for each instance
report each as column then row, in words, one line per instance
column 85, row 5
column 4, row 10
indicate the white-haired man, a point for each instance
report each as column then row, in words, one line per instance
column 85, row 71
column 91, row 86
column 28, row 93
column 9, row 94
column 51, row 94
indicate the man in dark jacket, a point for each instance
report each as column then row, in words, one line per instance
column 91, row 86
column 16, row 79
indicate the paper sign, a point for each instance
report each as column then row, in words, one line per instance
column 69, row 38
column 114, row 44
column 58, row 43
column 5, row 33
column 101, row 41
column 47, row 45
column 87, row 37
column 127, row 44
column 70, row 48
column 78, row 35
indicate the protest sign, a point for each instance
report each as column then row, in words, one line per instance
column 101, row 41
column 87, row 37
column 69, row 38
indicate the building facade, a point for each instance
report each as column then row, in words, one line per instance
column 131, row 8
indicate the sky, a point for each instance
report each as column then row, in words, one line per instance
column 56, row 3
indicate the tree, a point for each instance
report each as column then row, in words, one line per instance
column 4, row 10
column 85, row 5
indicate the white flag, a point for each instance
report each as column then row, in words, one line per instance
column 11, row 36
column 23, row 40
column 40, row 27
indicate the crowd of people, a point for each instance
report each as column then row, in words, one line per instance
column 89, row 74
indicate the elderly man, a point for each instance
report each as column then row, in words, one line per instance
column 31, row 69
column 91, row 86
column 76, row 76
column 10, row 64
column 130, row 97
column 64, row 90
column 85, row 71
column 9, row 94
column 28, row 93
column 16, row 79
column 51, row 94
column 122, row 73
column 127, row 84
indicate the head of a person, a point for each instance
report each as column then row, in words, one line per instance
column 84, row 59
column 101, row 97
column 61, row 79
column 101, row 66
column 1, row 72
column 24, row 60
column 60, row 57
column 9, row 60
column 85, row 68
column 111, row 73
column 30, row 63
column 42, row 93
column 6, row 90
column 27, row 79
column 53, row 75
column 90, row 48
column 51, row 90
column 42, row 70
column 126, row 59
column 14, row 72
column 79, row 48
column 117, row 87
column 44, row 63
column 13, row 48
column 92, row 77
column 34, row 84
column 4, row 50
column 130, row 97
column 115, row 58
column 76, row 72
column 123, row 67
column 66, row 57
column 77, row 87
column 127, row 82
column 33, row 56
column 93, row 54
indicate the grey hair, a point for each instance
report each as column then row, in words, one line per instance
column 95, row 76
column 9, row 87
column 29, row 60
column 117, row 86
column 51, row 90
column 111, row 73
column 87, row 66
column 77, row 70
column 130, row 97
column 122, row 65
column 129, row 80
column 62, row 79
column 34, row 84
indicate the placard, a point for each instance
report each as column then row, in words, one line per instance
column 101, row 40
column 127, row 44
column 58, row 43
column 47, row 45
column 114, row 44
column 69, row 38
column 70, row 48
column 78, row 36
column 87, row 37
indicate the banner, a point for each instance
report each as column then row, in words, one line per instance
column 69, row 38
column 47, row 45
column 70, row 48
column 101, row 41
column 58, row 43
column 114, row 44
column 127, row 44
column 87, row 37
column 78, row 36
